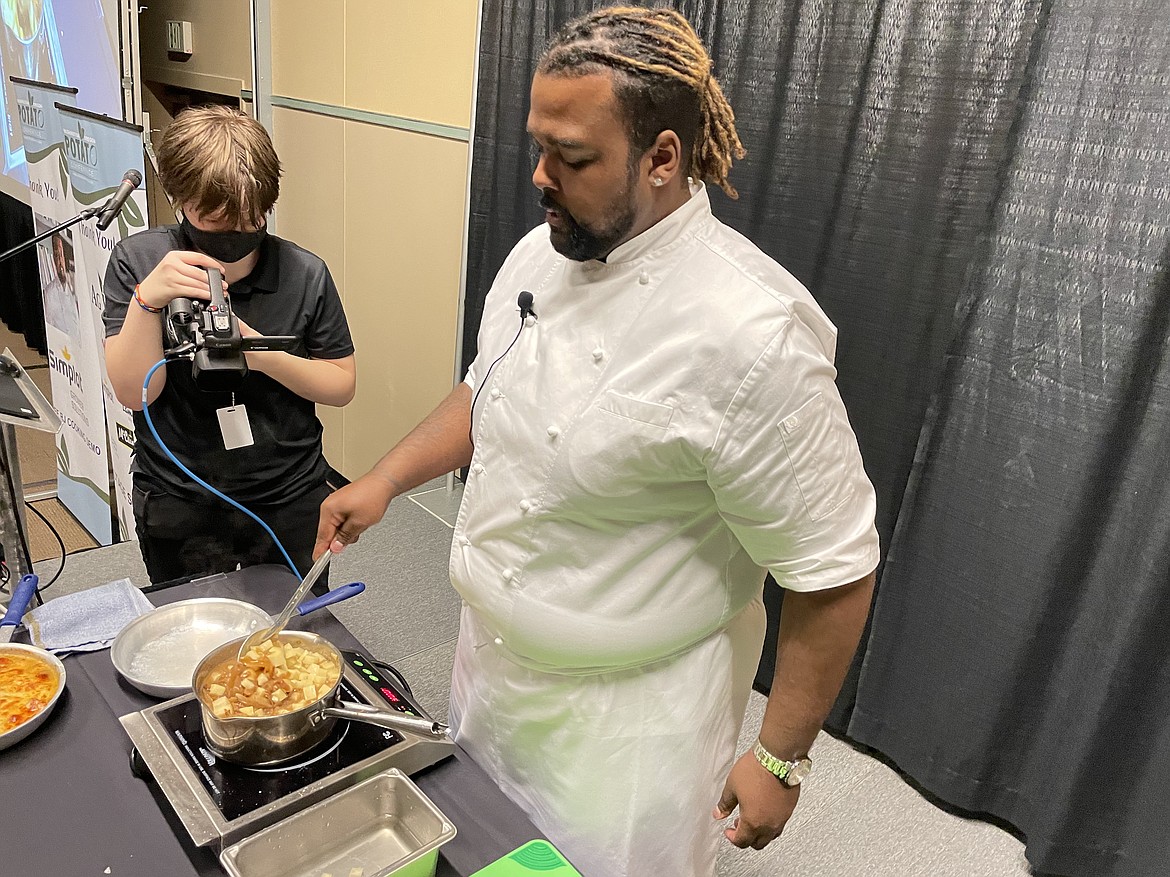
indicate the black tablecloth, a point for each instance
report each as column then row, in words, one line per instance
column 69, row 804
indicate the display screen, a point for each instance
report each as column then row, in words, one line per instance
column 380, row 681
column 65, row 42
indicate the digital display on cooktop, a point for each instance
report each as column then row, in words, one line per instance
column 238, row 790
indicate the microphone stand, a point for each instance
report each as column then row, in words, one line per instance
column 12, row 500
column 80, row 217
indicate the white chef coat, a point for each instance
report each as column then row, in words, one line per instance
column 61, row 306
column 665, row 431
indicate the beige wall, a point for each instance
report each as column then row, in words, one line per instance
column 222, row 58
column 383, row 206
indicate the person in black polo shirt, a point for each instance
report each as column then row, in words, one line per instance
column 220, row 167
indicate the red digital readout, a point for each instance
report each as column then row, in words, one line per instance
column 390, row 695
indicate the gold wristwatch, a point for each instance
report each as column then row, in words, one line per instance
column 791, row 773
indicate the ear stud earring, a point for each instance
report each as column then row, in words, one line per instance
column 657, row 181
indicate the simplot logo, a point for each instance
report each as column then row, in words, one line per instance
column 63, row 366
column 31, row 113
column 80, row 147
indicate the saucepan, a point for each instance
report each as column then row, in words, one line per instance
column 258, row 741
column 157, row 652
column 31, row 679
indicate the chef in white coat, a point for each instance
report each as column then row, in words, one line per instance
column 649, row 429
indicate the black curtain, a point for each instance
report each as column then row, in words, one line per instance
column 1018, row 663
column 20, row 283
column 976, row 193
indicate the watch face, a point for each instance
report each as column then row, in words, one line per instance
column 799, row 771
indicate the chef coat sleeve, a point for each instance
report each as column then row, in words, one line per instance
column 786, row 471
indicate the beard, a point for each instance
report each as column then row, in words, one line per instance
column 595, row 241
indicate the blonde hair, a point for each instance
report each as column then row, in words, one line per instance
column 663, row 81
column 222, row 162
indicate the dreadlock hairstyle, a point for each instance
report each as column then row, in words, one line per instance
column 662, row 81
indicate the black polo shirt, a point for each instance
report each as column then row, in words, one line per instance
column 289, row 292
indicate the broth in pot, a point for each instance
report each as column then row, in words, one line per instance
column 277, row 676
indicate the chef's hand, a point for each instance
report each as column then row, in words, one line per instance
column 346, row 513
column 765, row 804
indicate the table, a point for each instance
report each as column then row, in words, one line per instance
column 70, row 807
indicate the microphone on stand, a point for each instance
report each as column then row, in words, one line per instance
column 131, row 180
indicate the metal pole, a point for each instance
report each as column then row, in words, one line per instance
column 13, row 529
column 262, row 73
column 461, row 315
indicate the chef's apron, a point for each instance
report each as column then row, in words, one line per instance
column 621, row 769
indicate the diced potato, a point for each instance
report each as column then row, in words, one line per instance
column 273, row 678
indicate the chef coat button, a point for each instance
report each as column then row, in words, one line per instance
column 508, row 574
column 597, row 354
column 464, row 541
column 553, row 431
column 643, row 278
column 525, row 505
column 791, row 423
column 530, row 320
column 498, row 641
column 496, row 393
column 478, row 469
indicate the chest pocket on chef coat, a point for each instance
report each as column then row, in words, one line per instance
column 821, row 452
column 619, row 444
column 650, row 413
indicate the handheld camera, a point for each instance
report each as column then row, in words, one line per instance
column 209, row 333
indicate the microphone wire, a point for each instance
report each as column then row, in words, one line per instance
column 200, row 481
column 483, row 383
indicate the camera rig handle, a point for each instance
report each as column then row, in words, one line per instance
column 209, row 333
column 220, row 331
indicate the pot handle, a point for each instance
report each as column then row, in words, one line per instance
column 395, row 721
column 22, row 595
column 334, row 596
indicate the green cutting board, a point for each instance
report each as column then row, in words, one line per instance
column 535, row 857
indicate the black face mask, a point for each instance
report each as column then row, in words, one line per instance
column 226, row 246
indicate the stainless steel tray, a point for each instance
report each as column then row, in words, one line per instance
column 157, row 652
column 383, row 825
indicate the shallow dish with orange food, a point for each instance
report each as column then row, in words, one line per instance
column 31, row 682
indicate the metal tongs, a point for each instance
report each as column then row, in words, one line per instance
column 286, row 613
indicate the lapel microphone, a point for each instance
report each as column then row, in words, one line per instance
column 524, row 303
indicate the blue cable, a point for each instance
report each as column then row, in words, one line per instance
column 196, row 478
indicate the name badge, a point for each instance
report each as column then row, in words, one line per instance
column 234, row 426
